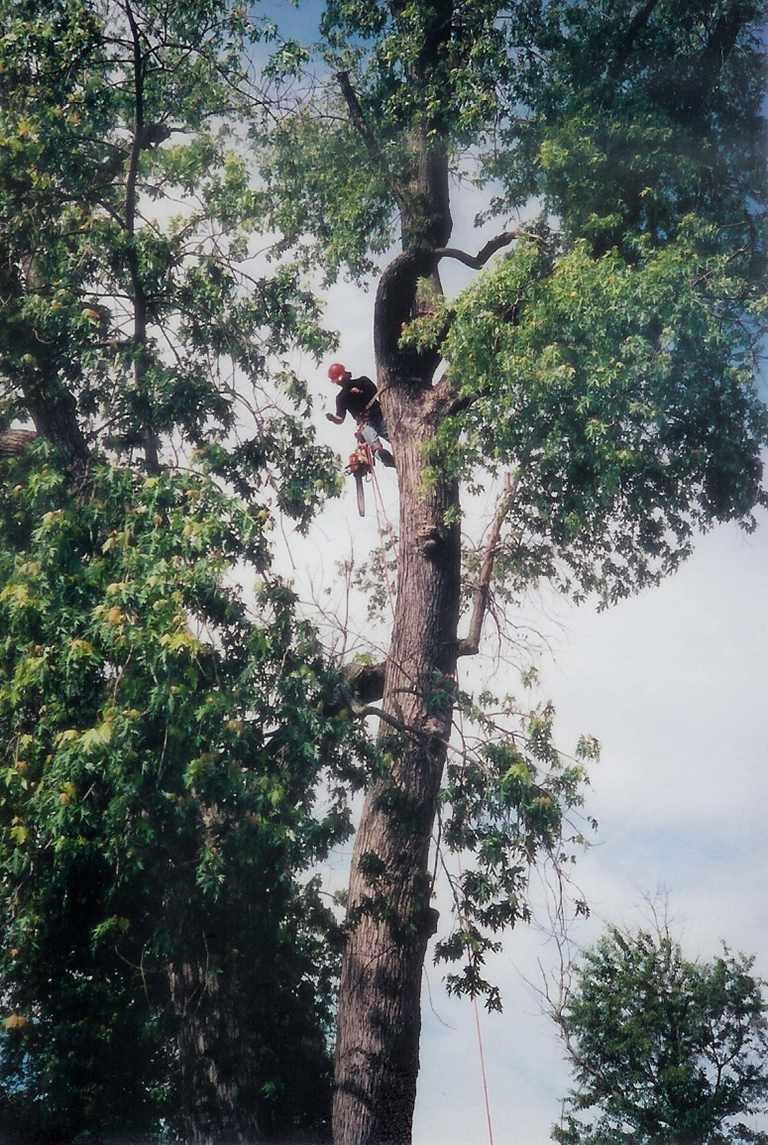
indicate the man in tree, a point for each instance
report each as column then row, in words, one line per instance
column 606, row 365
column 663, row 1049
column 357, row 397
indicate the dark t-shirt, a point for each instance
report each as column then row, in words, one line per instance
column 353, row 397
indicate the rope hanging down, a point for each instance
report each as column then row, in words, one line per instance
column 378, row 502
column 480, row 1051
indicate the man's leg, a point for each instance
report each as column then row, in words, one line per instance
column 372, row 440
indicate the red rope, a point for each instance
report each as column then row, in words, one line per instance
column 481, row 1054
column 377, row 498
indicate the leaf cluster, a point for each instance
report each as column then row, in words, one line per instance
column 127, row 212
column 506, row 804
column 622, row 396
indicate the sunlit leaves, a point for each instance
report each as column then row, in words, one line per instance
column 621, row 393
column 153, row 313
column 507, row 806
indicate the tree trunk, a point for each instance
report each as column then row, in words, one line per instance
column 390, row 918
column 212, row 1064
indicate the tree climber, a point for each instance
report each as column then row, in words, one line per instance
column 357, row 397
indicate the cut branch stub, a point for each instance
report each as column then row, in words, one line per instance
column 15, row 441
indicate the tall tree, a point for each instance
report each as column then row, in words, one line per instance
column 163, row 736
column 606, row 361
column 662, row 1048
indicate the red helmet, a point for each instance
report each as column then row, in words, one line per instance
column 337, row 372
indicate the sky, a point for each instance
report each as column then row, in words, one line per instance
column 674, row 685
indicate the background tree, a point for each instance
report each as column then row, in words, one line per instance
column 663, row 1049
column 164, row 953
column 156, row 809
column 607, row 363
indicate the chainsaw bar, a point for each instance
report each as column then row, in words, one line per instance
column 359, row 479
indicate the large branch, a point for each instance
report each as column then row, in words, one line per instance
column 15, row 441
column 723, row 39
column 139, row 299
column 470, row 645
column 478, row 261
column 360, row 123
column 393, row 310
column 627, row 42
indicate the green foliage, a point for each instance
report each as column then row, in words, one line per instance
column 645, row 114
column 507, row 804
column 610, row 361
column 621, row 393
column 130, row 277
column 165, row 735
column 163, row 744
column 664, row 1049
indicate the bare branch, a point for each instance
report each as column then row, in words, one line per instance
column 470, row 645
column 477, row 261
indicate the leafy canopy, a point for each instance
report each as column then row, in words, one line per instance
column 610, row 359
column 165, row 740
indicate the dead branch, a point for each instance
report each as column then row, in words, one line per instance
column 470, row 645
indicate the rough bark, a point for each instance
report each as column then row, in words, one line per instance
column 54, row 412
column 390, row 918
column 49, row 403
column 15, row 441
column 211, row 1062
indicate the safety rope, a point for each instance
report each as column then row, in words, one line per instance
column 378, row 502
column 481, row 1054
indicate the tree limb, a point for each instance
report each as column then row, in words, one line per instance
column 366, row 681
column 477, row 261
column 15, row 441
column 636, row 25
column 723, row 39
column 132, row 256
column 470, row 645
column 369, row 139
